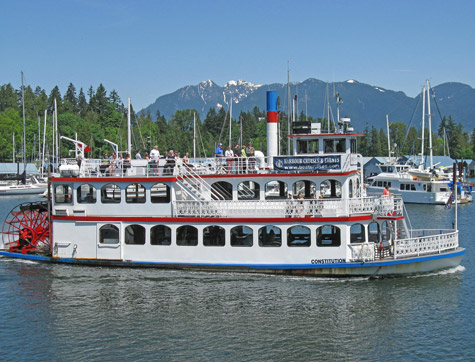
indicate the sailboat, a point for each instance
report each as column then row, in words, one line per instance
column 417, row 185
column 21, row 184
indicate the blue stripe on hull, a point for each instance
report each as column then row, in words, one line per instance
column 388, row 267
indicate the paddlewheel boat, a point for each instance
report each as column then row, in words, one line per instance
column 300, row 214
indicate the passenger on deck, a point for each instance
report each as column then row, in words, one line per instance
column 250, row 150
column 386, row 191
column 229, row 154
column 219, row 150
column 170, row 164
column 154, row 157
column 243, row 159
column 237, row 158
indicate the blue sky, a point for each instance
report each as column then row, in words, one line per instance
column 145, row 49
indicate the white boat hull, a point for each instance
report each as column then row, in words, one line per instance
column 407, row 266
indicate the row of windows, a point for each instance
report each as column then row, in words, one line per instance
column 243, row 236
column 110, row 193
column 160, row 193
column 381, row 183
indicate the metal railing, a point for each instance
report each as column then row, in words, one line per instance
column 437, row 241
column 288, row 208
column 201, row 166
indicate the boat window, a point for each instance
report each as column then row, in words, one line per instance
column 86, row 194
column 160, row 194
column 187, row 235
column 401, row 187
column 357, row 234
column 307, row 146
column 270, row 236
column 330, row 189
column 160, row 235
column 222, row 190
column 241, row 236
column 248, row 190
column 328, row 236
column 350, row 186
column 301, row 146
column 304, row 187
column 353, row 147
column 298, row 235
column 413, row 187
column 63, row 194
column 214, row 236
column 135, row 234
column 135, row 194
column 373, row 232
column 276, row 190
column 110, row 193
column 340, row 145
column 109, row 234
column 328, row 146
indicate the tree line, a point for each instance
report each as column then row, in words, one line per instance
column 97, row 114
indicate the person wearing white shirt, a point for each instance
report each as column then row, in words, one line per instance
column 154, row 157
column 229, row 154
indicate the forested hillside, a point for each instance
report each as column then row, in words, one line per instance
column 98, row 114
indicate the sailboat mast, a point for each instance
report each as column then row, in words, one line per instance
column 288, row 108
column 194, row 135
column 389, row 142
column 430, row 125
column 230, row 119
column 56, row 130
column 129, row 146
column 24, row 123
column 13, row 141
column 423, row 126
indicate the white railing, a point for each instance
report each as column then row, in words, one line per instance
column 202, row 166
column 437, row 241
column 287, row 208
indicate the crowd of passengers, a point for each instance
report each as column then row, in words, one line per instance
column 238, row 159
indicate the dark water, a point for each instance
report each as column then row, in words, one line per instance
column 73, row 313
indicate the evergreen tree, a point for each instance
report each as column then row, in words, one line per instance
column 8, row 97
column 54, row 95
column 82, row 103
column 70, row 100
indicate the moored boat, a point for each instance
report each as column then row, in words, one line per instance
column 300, row 214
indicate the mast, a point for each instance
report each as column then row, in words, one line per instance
column 241, row 131
column 430, row 125
column 129, row 147
column 423, row 126
column 24, row 126
column 288, row 108
column 56, row 130
column 194, row 134
column 44, row 146
column 13, row 141
column 230, row 119
column 389, row 142
column 39, row 136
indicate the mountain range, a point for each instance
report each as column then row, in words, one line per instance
column 363, row 103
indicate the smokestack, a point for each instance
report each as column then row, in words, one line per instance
column 273, row 118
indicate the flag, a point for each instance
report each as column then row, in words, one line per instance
column 448, row 204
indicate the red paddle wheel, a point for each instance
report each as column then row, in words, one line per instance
column 26, row 228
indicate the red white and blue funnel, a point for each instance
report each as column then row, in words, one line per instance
column 273, row 120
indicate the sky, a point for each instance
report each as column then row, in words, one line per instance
column 148, row 48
